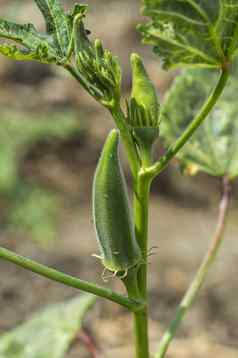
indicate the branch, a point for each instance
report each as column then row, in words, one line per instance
column 118, row 116
column 202, row 272
column 81, row 79
column 155, row 169
column 68, row 280
column 121, row 123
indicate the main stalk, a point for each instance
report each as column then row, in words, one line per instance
column 141, row 212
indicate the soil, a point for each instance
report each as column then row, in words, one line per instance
column 181, row 236
column 183, row 213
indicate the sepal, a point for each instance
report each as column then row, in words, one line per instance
column 99, row 67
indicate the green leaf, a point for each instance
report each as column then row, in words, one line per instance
column 54, row 46
column 214, row 146
column 49, row 333
column 57, row 23
column 36, row 46
column 24, row 34
column 192, row 32
column 41, row 54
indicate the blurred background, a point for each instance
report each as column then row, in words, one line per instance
column 51, row 134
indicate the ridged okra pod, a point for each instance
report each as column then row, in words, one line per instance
column 111, row 211
column 143, row 110
column 143, row 96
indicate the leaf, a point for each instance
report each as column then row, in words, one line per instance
column 214, row 146
column 41, row 54
column 37, row 46
column 49, row 333
column 200, row 33
column 26, row 34
column 57, row 23
column 54, row 46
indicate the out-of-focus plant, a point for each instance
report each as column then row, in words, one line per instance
column 17, row 136
column 50, row 333
column 38, row 221
column 187, row 33
column 213, row 149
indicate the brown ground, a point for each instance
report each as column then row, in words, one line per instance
column 181, row 235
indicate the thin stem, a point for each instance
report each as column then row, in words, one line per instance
column 141, row 334
column 129, row 145
column 81, row 79
column 118, row 116
column 202, row 272
column 141, row 211
column 202, row 115
column 68, row 280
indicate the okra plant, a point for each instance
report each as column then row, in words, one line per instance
column 199, row 34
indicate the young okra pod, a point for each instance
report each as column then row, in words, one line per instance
column 143, row 110
column 144, row 99
column 111, row 211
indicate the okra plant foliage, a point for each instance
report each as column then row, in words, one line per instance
column 192, row 32
column 184, row 33
column 50, row 47
column 214, row 147
column 49, row 333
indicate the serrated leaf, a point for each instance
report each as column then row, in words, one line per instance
column 40, row 54
column 36, row 46
column 214, row 146
column 57, row 23
column 54, row 46
column 49, row 333
column 25, row 34
column 15, row 53
column 192, row 32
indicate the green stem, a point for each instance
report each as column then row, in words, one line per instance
column 118, row 116
column 68, row 280
column 154, row 170
column 129, row 145
column 141, row 211
column 202, row 272
column 82, row 80
column 141, row 334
